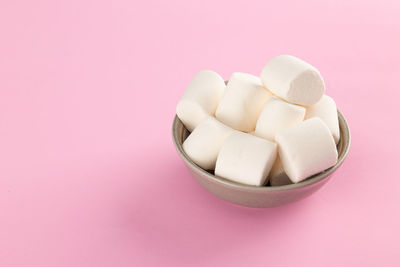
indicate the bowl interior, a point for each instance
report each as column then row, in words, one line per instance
column 180, row 133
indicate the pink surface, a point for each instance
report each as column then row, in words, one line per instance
column 88, row 172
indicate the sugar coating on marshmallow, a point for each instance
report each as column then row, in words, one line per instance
column 294, row 80
column 277, row 175
column 306, row 149
column 204, row 143
column 245, row 159
column 201, row 98
column 325, row 109
column 242, row 102
column 276, row 116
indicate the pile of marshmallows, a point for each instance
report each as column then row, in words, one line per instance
column 279, row 127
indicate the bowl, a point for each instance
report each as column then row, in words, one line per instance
column 260, row 196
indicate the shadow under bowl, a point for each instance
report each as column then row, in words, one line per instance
column 260, row 196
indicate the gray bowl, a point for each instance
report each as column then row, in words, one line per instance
column 264, row 196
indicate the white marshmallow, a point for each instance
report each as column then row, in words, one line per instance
column 306, row 149
column 276, row 116
column 201, row 98
column 277, row 175
column 245, row 159
column 325, row 109
column 242, row 102
column 204, row 143
column 294, row 80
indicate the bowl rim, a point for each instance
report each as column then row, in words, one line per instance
column 345, row 140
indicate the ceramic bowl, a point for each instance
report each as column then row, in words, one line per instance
column 260, row 196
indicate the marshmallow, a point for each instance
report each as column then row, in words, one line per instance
column 200, row 98
column 242, row 102
column 294, row 80
column 204, row 143
column 245, row 159
column 306, row 149
column 277, row 175
column 325, row 109
column 277, row 115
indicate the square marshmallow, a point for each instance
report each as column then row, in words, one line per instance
column 294, row 80
column 200, row 99
column 277, row 115
column 242, row 102
column 306, row 149
column 325, row 109
column 204, row 143
column 245, row 159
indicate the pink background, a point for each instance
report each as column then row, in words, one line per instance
column 88, row 172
